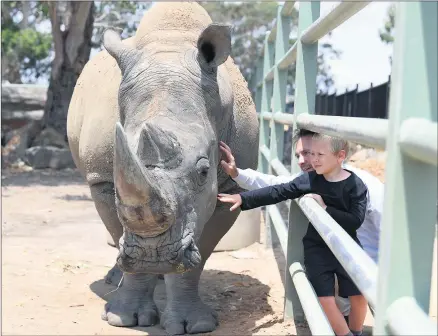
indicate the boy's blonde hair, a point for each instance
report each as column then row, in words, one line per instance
column 336, row 144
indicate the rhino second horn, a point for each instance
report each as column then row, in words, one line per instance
column 159, row 148
column 130, row 181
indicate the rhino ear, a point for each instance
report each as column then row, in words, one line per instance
column 117, row 49
column 214, row 44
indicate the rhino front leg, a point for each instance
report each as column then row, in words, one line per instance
column 104, row 201
column 185, row 312
column 133, row 304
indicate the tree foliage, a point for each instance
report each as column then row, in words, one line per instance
column 27, row 51
column 27, row 44
column 25, row 48
column 387, row 32
column 251, row 21
column 124, row 15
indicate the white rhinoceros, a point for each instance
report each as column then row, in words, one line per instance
column 144, row 124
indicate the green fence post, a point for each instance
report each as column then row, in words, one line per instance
column 280, row 82
column 268, row 61
column 409, row 219
column 306, row 70
column 258, row 89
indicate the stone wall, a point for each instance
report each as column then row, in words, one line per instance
column 26, row 143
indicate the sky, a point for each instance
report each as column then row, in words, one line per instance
column 364, row 58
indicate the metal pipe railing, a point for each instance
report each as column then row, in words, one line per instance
column 418, row 139
column 365, row 131
column 279, row 226
column 317, row 320
column 361, row 268
column 332, row 20
column 405, row 317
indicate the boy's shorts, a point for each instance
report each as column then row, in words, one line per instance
column 321, row 266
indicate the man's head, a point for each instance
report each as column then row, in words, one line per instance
column 327, row 152
column 302, row 142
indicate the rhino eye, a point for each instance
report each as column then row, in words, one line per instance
column 202, row 168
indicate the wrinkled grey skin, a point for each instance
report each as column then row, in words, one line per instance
column 161, row 204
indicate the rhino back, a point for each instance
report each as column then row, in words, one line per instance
column 174, row 23
column 93, row 113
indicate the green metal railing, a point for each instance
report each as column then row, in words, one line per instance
column 400, row 291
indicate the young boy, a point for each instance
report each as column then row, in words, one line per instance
column 344, row 196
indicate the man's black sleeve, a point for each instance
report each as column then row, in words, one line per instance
column 352, row 220
column 274, row 194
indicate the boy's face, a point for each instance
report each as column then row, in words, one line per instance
column 323, row 159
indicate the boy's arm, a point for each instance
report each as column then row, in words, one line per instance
column 276, row 193
column 352, row 220
column 251, row 179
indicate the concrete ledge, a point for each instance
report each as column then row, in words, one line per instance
column 244, row 232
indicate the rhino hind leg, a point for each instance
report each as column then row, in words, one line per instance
column 103, row 197
column 185, row 312
column 133, row 304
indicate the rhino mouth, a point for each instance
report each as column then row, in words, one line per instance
column 158, row 255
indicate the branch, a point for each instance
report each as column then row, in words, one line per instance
column 57, row 39
column 104, row 15
column 75, row 36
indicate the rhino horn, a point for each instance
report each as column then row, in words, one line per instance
column 130, row 180
column 158, row 148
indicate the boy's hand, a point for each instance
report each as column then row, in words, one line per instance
column 229, row 166
column 317, row 198
column 235, row 199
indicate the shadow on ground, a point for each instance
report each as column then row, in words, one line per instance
column 70, row 197
column 230, row 294
column 43, row 177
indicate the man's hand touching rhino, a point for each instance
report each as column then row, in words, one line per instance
column 235, row 199
column 229, row 164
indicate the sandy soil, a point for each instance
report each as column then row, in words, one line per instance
column 54, row 257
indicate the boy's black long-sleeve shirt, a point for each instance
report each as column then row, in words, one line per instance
column 346, row 200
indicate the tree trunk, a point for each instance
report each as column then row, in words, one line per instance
column 72, row 29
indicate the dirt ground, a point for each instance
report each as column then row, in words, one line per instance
column 54, row 258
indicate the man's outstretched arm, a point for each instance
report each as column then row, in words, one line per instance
column 251, row 179
column 248, row 178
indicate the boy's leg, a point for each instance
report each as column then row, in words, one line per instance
column 334, row 315
column 358, row 312
column 320, row 271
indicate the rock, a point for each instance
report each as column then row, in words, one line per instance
column 50, row 137
column 31, row 129
column 49, row 157
column 16, row 142
column 361, row 155
column 25, row 97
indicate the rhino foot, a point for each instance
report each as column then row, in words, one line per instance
column 114, row 276
column 133, row 304
column 189, row 317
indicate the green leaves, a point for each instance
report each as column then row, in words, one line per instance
column 387, row 33
column 25, row 50
column 250, row 22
